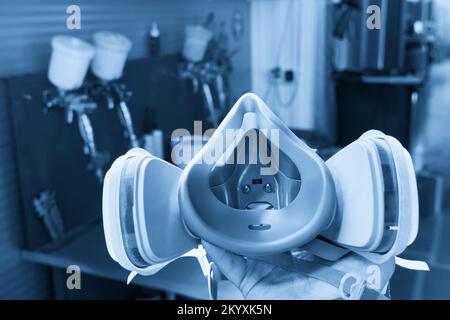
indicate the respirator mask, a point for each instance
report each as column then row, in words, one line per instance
column 257, row 190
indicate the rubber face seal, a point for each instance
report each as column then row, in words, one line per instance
column 255, row 230
column 126, row 202
column 113, row 199
column 391, row 196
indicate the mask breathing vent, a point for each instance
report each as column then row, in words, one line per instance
column 241, row 186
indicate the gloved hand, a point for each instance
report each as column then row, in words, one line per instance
column 261, row 281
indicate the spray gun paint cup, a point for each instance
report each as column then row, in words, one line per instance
column 69, row 62
column 111, row 54
column 195, row 42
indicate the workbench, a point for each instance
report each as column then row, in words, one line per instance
column 86, row 248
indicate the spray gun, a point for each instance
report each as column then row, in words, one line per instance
column 204, row 77
column 80, row 105
column 207, row 64
column 69, row 94
column 108, row 64
column 122, row 96
column 117, row 96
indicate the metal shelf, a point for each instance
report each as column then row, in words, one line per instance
column 416, row 79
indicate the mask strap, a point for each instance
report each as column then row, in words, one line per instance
column 200, row 254
column 131, row 276
column 412, row 264
column 208, row 269
column 351, row 290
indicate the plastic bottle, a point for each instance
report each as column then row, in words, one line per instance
column 154, row 40
column 153, row 138
column 158, row 143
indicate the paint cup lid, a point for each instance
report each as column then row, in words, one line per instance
column 112, row 41
column 73, row 46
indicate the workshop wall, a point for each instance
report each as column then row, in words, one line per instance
column 26, row 28
column 288, row 42
column 18, row 279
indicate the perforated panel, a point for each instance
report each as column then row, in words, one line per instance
column 26, row 27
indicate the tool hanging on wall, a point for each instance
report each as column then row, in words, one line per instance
column 116, row 96
column 79, row 105
column 108, row 64
column 208, row 65
column 208, row 79
column 69, row 63
column 47, row 209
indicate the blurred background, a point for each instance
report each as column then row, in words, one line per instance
column 315, row 62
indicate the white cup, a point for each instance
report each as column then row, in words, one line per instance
column 111, row 54
column 69, row 62
column 195, row 42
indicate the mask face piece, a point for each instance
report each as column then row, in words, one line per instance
column 254, row 206
column 256, row 189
